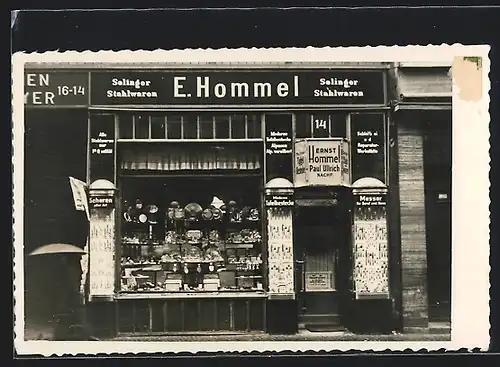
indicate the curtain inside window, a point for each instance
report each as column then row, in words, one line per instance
column 177, row 158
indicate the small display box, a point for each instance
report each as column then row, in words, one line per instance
column 211, row 282
column 173, row 283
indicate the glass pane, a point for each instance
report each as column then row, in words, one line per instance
column 125, row 126
column 321, row 125
column 190, row 127
column 158, row 127
column 206, row 127
column 238, row 126
column 142, row 127
column 338, row 125
column 303, row 125
column 254, row 130
column 174, row 127
column 222, row 126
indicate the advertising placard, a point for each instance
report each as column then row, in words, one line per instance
column 279, row 147
column 102, row 253
column 370, row 250
column 280, row 246
column 368, row 141
column 322, row 163
column 102, row 148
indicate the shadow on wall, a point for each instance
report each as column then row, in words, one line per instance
column 55, row 148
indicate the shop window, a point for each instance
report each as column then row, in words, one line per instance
column 174, row 127
column 238, row 128
column 186, row 234
column 338, row 123
column 190, row 127
column 141, row 126
column 222, row 126
column 206, row 126
column 126, row 126
column 158, row 127
column 254, row 127
column 303, row 124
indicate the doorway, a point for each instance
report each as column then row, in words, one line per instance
column 321, row 238
column 438, row 174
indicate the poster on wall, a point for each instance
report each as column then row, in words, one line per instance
column 322, row 163
column 102, row 253
column 279, row 147
column 368, row 144
column 370, row 250
column 280, row 245
column 102, row 148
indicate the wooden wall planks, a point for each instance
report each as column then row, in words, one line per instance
column 413, row 231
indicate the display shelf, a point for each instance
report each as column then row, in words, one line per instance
column 237, row 293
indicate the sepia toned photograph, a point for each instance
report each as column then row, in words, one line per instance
column 241, row 201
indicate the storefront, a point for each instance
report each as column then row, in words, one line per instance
column 421, row 146
column 240, row 198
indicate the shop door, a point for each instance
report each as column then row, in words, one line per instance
column 320, row 241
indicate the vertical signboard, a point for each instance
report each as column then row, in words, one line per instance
column 280, row 244
column 102, row 148
column 102, row 252
column 368, row 146
column 322, row 163
column 370, row 249
column 279, row 147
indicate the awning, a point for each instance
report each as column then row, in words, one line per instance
column 58, row 248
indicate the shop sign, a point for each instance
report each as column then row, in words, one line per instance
column 237, row 87
column 371, row 251
column 368, row 146
column 318, row 281
column 102, row 147
column 56, row 88
column 102, row 202
column 280, row 200
column 321, row 163
column 279, row 147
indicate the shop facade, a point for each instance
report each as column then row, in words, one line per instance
column 241, row 198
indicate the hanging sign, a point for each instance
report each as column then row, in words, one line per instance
column 370, row 250
column 102, row 253
column 321, row 163
column 78, row 188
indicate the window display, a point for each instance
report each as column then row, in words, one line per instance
column 186, row 246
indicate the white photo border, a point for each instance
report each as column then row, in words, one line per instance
column 470, row 207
